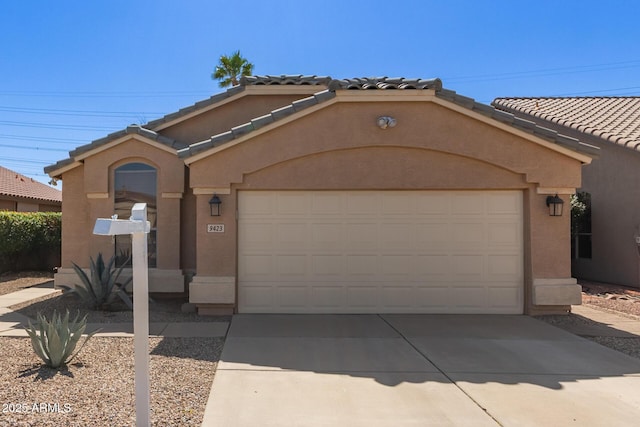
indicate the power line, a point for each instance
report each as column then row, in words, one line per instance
column 22, row 147
column 56, row 126
column 13, row 159
column 546, row 72
column 43, row 138
column 79, row 113
column 109, row 94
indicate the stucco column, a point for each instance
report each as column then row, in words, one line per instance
column 215, row 281
column 552, row 284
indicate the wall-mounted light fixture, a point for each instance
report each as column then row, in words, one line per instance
column 214, row 204
column 554, row 203
column 386, row 122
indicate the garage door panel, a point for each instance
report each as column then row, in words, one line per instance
column 504, row 297
column 365, row 296
column 432, row 236
column 292, row 267
column 326, row 266
column 383, row 252
column 433, row 267
column 256, row 267
column 292, row 296
column 397, row 267
column 361, row 267
column 258, row 236
column 362, row 237
column 505, row 233
column 363, row 204
column 469, row 294
column 400, row 298
column 468, row 233
column 327, row 296
column 503, row 204
column 327, row 203
column 326, row 236
column 291, row 204
column 396, row 236
column 467, row 203
column 433, row 204
column 504, row 267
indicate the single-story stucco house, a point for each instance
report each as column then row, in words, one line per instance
column 606, row 243
column 304, row 194
column 19, row 193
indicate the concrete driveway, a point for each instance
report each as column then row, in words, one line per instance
column 418, row 370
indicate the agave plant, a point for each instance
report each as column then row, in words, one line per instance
column 54, row 341
column 100, row 290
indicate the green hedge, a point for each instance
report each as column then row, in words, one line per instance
column 29, row 240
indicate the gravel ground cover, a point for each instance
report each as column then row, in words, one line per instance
column 610, row 298
column 12, row 282
column 97, row 388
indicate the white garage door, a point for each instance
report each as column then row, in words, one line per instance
column 380, row 252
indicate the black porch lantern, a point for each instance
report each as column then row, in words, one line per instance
column 214, row 204
column 555, row 205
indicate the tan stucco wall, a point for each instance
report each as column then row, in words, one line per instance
column 420, row 125
column 223, row 118
column 615, row 217
column 432, row 147
column 88, row 194
column 75, row 218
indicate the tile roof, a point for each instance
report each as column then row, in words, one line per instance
column 14, row 184
column 385, row 83
column 614, row 119
column 285, row 79
column 255, row 124
column 365, row 83
column 129, row 130
column 268, row 80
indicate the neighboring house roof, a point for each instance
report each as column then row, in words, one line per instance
column 13, row 184
column 385, row 83
column 614, row 119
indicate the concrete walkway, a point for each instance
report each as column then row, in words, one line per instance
column 12, row 324
column 417, row 370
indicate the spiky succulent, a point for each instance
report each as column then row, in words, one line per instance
column 101, row 289
column 54, row 341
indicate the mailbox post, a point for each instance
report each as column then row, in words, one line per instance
column 138, row 227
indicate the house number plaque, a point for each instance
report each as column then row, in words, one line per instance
column 215, row 228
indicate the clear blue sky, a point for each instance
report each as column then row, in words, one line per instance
column 74, row 71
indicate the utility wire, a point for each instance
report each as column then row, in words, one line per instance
column 78, row 113
column 22, row 147
column 55, row 126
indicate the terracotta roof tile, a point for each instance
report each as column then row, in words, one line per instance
column 14, row 184
column 614, row 119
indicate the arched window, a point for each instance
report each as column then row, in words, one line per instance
column 135, row 183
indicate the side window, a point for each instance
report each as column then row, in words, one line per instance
column 581, row 225
column 135, row 183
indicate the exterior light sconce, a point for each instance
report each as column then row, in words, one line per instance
column 214, row 204
column 554, row 203
column 385, row 122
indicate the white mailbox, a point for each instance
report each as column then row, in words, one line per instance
column 138, row 227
